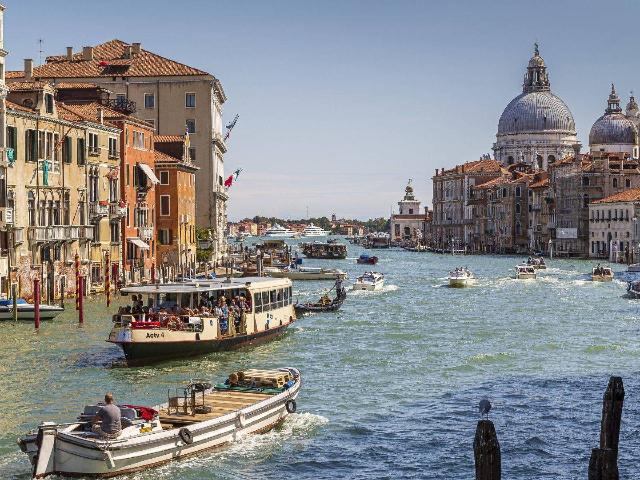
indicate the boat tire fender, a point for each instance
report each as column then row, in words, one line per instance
column 291, row 406
column 185, row 435
column 242, row 420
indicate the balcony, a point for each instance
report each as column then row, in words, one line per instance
column 145, row 233
column 18, row 236
column 114, row 155
column 98, row 210
column 218, row 139
column 94, row 151
column 54, row 233
column 115, row 210
column 85, row 232
column 72, row 233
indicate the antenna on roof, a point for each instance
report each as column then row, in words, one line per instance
column 40, row 50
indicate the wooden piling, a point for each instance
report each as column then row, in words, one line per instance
column 80, row 300
column 486, row 451
column 603, row 464
column 14, row 301
column 107, row 282
column 36, row 302
column 77, row 265
column 63, row 290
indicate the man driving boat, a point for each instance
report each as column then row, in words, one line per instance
column 107, row 422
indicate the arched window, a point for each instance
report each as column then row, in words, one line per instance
column 615, row 183
column 517, row 208
column 627, row 183
column 518, row 191
column 518, row 228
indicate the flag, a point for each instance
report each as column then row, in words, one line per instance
column 237, row 173
column 229, row 181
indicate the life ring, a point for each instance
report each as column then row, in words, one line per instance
column 291, row 406
column 241, row 420
column 185, row 435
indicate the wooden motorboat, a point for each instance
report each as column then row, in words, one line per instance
column 305, row 273
column 328, row 250
column 26, row 311
column 366, row 259
column 198, row 418
column 461, row 277
column 325, row 304
column 524, row 272
column 601, row 274
column 634, row 268
column 537, row 262
column 369, row 281
column 186, row 319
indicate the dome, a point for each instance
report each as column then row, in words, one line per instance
column 613, row 128
column 537, row 111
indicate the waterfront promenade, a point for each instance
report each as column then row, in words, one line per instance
column 391, row 382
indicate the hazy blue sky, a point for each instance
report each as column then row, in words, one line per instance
column 341, row 102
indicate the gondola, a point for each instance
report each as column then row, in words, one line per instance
column 323, row 305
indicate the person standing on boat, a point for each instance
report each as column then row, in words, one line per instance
column 107, row 422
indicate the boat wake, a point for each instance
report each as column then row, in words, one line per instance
column 384, row 289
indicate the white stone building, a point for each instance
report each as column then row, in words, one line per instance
column 536, row 127
column 408, row 224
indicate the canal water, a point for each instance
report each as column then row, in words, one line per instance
column 391, row 382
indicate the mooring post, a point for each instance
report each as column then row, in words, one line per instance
column 14, row 301
column 486, row 451
column 63, row 290
column 153, row 273
column 77, row 265
column 36, row 302
column 107, row 281
column 603, row 464
column 81, row 300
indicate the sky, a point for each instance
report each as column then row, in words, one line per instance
column 341, row 102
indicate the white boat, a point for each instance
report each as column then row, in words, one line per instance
column 634, row 268
column 369, row 281
column 199, row 419
column 537, row 262
column 312, row 230
column 461, row 277
column 601, row 274
column 524, row 272
column 26, row 311
column 279, row 231
column 306, row 273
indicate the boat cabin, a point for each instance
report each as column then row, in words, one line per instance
column 324, row 250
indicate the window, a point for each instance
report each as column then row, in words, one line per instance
column 81, row 152
column 517, row 208
column 627, row 183
column 190, row 100
column 518, row 191
column 164, row 177
column 12, row 142
column 48, row 101
column 66, row 150
column 115, row 232
column 615, row 183
column 164, row 205
column 121, row 98
column 31, row 144
column 149, row 100
column 165, row 236
column 192, row 154
column 138, row 140
column 94, row 147
column 191, row 126
column 113, row 147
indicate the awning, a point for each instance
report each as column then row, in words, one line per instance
column 149, row 173
column 138, row 243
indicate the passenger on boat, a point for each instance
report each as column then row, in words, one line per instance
column 107, row 422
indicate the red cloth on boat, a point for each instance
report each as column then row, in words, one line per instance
column 145, row 413
column 143, row 325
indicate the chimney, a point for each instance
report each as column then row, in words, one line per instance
column 136, row 48
column 128, row 51
column 87, row 53
column 101, row 115
column 69, row 53
column 28, row 69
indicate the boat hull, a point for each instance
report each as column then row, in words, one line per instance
column 29, row 313
column 461, row 282
column 140, row 353
column 602, row 278
column 369, row 287
column 525, row 276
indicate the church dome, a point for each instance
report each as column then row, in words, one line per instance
column 536, row 111
column 613, row 128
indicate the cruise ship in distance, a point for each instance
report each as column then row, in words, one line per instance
column 312, row 230
column 279, row 231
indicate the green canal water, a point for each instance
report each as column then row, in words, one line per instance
column 391, row 382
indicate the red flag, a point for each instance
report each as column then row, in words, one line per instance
column 229, row 181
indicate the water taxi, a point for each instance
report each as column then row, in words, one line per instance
column 312, row 230
column 26, row 311
column 305, row 273
column 524, row 272
column 186, row 319
column 601, row 274
column 367, row 259
column 369, row 281
column 461, row 277
column 197, row 417
column 278, row 231
column 537, row 262
column 326, row 250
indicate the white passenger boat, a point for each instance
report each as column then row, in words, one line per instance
column 461, row 277
column 201, row 316
column 306, row 273
column 278, row 231
column 525, row 271
column 312, row 230
column 26, row 311
column 601, row 274
column 198, row 418
column 369, row 281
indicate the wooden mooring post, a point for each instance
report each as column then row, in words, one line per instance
column 603, row 464
column 486, row 451
column 36, row 302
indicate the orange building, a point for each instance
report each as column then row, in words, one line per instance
column 176, row 204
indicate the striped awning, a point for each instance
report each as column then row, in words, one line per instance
column 138, row 243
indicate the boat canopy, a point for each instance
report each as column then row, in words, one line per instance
column 9, row 302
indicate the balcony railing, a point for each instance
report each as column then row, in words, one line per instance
column 18, row 236
column 55, row 233
column 218, row 138
column 145, row 233
column 94, row 151
column 72, row 233
column 115, row 210
column 85, row 232
column 98, row 210
column 114, row 154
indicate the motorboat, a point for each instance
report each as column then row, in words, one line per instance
column 369, row 281
column 305, row 273
column 279, row 231
column 325, row 304
column 312, row 230
column 242, row 236
column 524, row 272
column 633, row 289
column 329, row 250
column 537, row 262
column 601, row 274
column 461, row 277
column 634, row 268
column 26, row 311
column 367, row 259
column 202, row 316
column 197, row 417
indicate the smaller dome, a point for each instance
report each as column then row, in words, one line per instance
column 536, row 61
column 613, row 128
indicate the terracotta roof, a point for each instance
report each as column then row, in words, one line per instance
column 67, row 112
column 494, row 182
column 163, row 157
column 89, row 110
column 27, row 86
column 630, row 195
column 168, row 138
column 74, row 86
column 18, row 107
column 540, row 183
column 108, row 61
column 482, row 166
column 14, row 74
